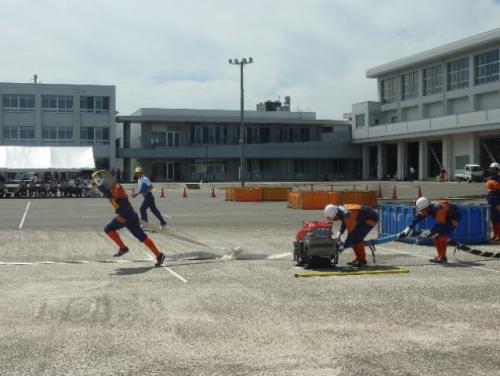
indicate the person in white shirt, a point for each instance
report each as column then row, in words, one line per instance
column 145, row 188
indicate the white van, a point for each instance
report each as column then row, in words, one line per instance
column 471, row 172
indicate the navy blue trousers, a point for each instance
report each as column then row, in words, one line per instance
column 149, row 202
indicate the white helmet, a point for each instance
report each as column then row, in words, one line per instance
column 422, row 203
column 331, row 211
column 495, row 165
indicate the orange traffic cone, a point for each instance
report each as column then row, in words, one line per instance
column 419, row 192
column 213, row 192
column 394, row 193
column 184, row 193
column 162, row 193
column 380, row 191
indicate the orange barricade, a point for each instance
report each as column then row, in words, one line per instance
column 247, row 194
column 295, row 200
column 333, row 198
column 317, row 200
column 361, row 198
column 275, row 194
column 229, row 194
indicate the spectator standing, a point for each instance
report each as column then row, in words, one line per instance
column 413, row 174
column 442, row 175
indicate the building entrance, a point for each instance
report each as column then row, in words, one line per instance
column 490, row 150
column 435, row 158
column 412, row 154
column 391, row 158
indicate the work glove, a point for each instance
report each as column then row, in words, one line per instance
column 403, row 234
column 427, row 234
column 340, row 247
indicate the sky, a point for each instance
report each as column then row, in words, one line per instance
column 174, row 54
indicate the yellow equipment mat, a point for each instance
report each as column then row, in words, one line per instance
column 366, row 271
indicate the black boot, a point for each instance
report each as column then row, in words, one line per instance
column 159, row 259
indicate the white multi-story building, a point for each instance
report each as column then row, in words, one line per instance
column 35, row 114
column 438, row 108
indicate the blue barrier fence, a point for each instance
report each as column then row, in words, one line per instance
column 473, row 227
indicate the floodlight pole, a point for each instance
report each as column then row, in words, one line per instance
column 242, row 139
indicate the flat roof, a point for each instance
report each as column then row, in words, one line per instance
column 223, row 116
column 457, row 47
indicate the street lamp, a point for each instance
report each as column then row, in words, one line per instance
column 242, row 168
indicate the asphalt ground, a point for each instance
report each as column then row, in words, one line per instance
column 67, row 307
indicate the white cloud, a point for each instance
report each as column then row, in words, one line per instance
column 174, row 54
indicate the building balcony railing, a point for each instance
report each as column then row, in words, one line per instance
column 478, row 120
column 320, row 150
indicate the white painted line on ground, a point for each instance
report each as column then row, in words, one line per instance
column 175, row 274
column 24, row 215
column 428, row 258
column 169, row 270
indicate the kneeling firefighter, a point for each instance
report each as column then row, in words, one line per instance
column 358, row 220
column 125, row 215
column 447, row 217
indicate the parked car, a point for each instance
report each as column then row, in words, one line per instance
column 470, row 173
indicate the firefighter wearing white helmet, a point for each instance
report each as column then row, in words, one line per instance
column 493, row 199
column 447, row 218
column 145, row 189
column 358, row 220
column 422, row 203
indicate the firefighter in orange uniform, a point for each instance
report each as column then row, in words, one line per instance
column 125, row 215
column 447, row 217
column 358, row 220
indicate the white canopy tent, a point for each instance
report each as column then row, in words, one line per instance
column 46, row 158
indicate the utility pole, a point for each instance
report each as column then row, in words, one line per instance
column 242, row 169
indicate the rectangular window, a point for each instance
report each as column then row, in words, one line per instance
column 389, row 90
column 62, row 135
column 304, row 135
column 409, row 85
column 486, row 68
column 15, row 135
column 92, row 135
column 360, row 120
column 94, row 104
column 173, row 139
column 198, row 135
column 57, row 103
column 433, row 80
column 158, row 138
column 458, row 74
column 18, row 103
column 294, row 134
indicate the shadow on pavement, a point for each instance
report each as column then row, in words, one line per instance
column 132, row 271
